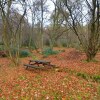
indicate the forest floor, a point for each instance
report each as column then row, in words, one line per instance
column 74, row 79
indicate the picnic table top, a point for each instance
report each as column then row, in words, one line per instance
column 39, row 61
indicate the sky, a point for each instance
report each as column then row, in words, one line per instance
column 46, row 15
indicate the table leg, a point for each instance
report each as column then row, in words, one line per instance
column 26, row 67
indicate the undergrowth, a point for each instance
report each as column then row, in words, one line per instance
column 86, row 76
column 49, row 51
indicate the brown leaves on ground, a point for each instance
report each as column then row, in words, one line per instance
column 16, row 83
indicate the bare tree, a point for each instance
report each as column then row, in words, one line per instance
column 32, row 10
column 11, row 35
column 57, row 27
column 37, row 9
column 43, row 9
column 81, row 14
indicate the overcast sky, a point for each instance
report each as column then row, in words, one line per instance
column 46, row 15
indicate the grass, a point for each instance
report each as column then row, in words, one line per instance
column 96, row 78
column 98, row 91
column 86, row 76
column 83, row 75
column 0, row 90
column 34, row 57
column 3, row 98
column 57, row 95
column 22, row 77
column 94, row 60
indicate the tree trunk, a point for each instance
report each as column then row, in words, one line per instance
column 52, row 43
column 42, row 34
column 91, row 53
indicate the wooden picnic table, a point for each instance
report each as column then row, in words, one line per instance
column 38, row 63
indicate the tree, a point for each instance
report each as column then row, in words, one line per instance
column 11, row 34
column 32, row 8
column 37, row 9
column 57, row 27
column 84, row 13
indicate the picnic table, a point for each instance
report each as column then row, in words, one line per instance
column 38, row 64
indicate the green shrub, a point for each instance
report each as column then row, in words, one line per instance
column 24, row 53
column 14, row 51
column 1, row 43
column 49, row 51
column 1, row 47
column 64, row 44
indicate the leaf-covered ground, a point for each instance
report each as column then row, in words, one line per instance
column 73, row 79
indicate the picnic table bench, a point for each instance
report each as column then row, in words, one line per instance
column 44, row 63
